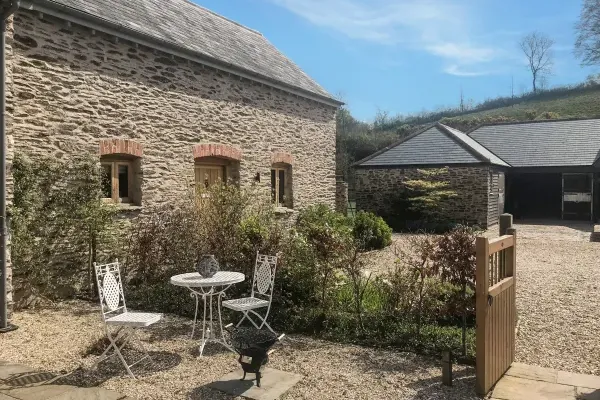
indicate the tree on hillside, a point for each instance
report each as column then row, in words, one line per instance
column 587, row 44
column 537, row 47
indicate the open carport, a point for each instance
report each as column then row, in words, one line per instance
column 534, row 195
column 554, row 167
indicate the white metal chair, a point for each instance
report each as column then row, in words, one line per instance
column 115, row 314
column 262, row 292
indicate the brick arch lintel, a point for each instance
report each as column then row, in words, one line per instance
column 282, row 157
column 217, row 150
column 121, row 146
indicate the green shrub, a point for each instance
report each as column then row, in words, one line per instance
column 60, row 226
column 371, row 231
column 224, row 220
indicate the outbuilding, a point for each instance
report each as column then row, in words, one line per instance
column 535, row 169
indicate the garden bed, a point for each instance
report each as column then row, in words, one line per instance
column 58, row 339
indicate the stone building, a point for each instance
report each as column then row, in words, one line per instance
column 474, row 173
column 535, row 169
column 167, row 94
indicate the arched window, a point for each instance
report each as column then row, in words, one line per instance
column 281, row 179
column 120, row 161
column 215, row 163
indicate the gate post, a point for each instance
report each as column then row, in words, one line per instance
column 482, row 252
column 506, row 221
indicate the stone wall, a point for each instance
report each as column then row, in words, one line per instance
column 74, row 88
column 377, row 189
column 70, row 88
column 341, row 197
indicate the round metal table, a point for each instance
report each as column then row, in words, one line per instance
column 207, row 288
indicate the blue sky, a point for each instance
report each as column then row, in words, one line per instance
column 405, row 56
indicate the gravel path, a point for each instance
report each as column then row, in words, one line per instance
column 558, row 297
column 58, row 339
column 558, row 294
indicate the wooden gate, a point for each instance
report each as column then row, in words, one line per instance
column 496, row 311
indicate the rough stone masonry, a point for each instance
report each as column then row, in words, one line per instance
column 378, row 188
column 71, row 88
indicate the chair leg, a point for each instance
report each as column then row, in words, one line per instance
column 242, row 320
column 263, row 321
column 118, row 352
column 134, row 333
column 251, row 320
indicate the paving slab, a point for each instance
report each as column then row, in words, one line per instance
column 514, row 388
column 19, row 382
column 533, row 372
column 588, row 394
column 26, row 379
column 94, row 393
column 11, row 371
column 43, row 392
column 273, row 384
column 573, row 379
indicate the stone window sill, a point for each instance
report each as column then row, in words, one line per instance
column 283, row 210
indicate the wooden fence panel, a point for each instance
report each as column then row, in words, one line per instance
column 495, row 308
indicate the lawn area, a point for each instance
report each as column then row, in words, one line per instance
column 60, row 339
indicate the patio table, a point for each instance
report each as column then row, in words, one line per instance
column 207, row 288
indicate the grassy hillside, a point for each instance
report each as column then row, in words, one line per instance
column 569, row 105
column 357, row 140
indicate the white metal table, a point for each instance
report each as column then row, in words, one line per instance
column 207, row 288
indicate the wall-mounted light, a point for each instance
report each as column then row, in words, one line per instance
column 257, row 177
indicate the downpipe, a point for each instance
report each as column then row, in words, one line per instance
column 4, row 324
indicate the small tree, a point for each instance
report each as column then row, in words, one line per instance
column 537, row 47
column 329, row 234
column 417, row 260
column 454, row 260
column 427, row 194
column 353, row 266
column 587, row 44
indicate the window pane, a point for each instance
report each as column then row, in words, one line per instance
column 123, row 181
column 281, row 188
column 106, row 180
column 273, row 185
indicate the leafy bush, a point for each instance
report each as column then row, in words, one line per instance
column 60, row 226
column 371, row 231
column 228, row 222
column 455, row 261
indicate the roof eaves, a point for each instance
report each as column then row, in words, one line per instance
column 391, row 146
column 79, row 17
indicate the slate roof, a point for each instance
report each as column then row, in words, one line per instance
column 543, row 144
column 436, row 145
column 186, row 25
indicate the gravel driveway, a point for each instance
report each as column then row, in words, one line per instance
column 558, row 297
column 56, row 340
column 558, row 294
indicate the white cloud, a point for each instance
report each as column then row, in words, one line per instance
column 456, row 70
column 438, row 27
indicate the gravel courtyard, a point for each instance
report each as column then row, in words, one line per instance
column 57, row 339
column 558, row 297
column 558, row 294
